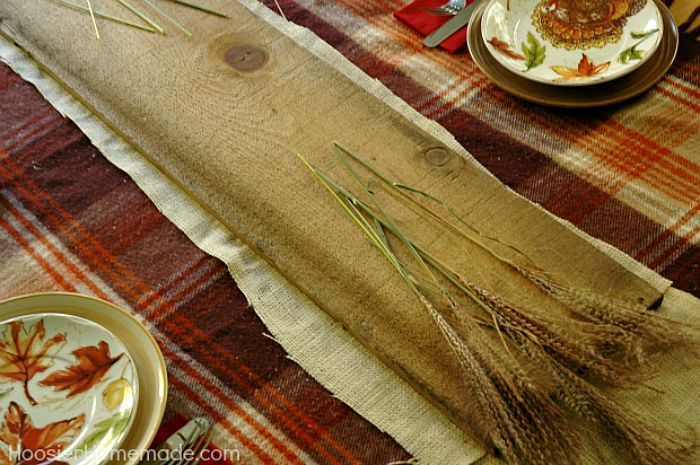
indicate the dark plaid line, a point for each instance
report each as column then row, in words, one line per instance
column 685, row 271
column 688, row 57
column 684, row 28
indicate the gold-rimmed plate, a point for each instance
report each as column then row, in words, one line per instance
column 55, row 317
column 607, row 93
column 68, row 390
column 571, row 42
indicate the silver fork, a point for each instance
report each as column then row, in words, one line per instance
column 451, row 8
column 195, row 437
column 200, row 446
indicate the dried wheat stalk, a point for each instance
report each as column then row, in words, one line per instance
column 527, row 373
column 643, row 329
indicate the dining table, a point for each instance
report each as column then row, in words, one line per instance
column 71, row 220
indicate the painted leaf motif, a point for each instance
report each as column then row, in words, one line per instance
column 111, row 426
column 503, row 48
column 4, row 458
column 22, row 437
column 643, row 35
column 534, row 52
column 93, row 363
column 630, row 54
column 585, row 69
column 24, row 352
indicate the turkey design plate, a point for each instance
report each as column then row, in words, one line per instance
column 68, row 390
column 572, row 42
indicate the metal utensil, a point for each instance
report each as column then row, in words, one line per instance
column 194, row 436
column 202, row 443
column 451, row 8
column 450, row 27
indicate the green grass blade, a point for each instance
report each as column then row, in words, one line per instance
column 141, row 15
column 341, row 153
column 399, row 191
column 172, row 20
column 199, row 7
column 279, row 7
column 94, row 22
column 351, row 208
column 105, row 16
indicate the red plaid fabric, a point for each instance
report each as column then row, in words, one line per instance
column 71, row 221
column 629, row 175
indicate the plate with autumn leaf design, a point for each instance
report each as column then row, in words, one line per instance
column 572, row 42
column 68, row 390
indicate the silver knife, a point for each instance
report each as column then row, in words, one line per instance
column 450, row 27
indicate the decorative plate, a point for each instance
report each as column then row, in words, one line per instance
column 572, row 42
column 635, row 83
column 68, row 390
column 145, row 354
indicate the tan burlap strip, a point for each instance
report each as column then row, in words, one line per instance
column 310, row 337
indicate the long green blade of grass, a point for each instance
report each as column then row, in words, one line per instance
column 165, row 15
column 92, row 16
column 141, row 15
column 200, row 7
column 105, row 16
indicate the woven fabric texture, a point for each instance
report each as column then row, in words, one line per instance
column 70, row 221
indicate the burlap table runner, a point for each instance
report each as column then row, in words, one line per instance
column 308, row 334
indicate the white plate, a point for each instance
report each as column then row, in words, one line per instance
column 146, row 355
column 68, row 390
column 572, row 42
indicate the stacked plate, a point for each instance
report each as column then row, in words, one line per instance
column 81, row 382
column 573, row 53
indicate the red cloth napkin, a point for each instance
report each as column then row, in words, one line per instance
column 175, row 423
column 415, row 17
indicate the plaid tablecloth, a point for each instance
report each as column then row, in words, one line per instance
column 70, row 221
